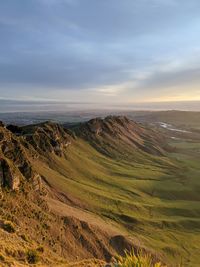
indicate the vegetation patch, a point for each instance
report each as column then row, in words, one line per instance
column 32, row 256
column 8, row 227
column 137, row 260
column 24, row 237
column 2, row 258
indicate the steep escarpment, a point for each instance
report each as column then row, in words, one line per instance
column 66, row 235
column 47, row 137
column 122, row 135
column 19, row 146
column 69, row 192
column 15, row 166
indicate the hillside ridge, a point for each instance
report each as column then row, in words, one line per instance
column 91, row 191
column 112, row 131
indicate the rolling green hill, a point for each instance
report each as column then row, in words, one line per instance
column 97, row 189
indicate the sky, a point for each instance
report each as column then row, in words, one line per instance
column 100, row 51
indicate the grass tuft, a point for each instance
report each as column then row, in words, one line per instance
column 140, row 259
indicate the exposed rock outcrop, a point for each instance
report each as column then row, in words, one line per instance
column 9, row 176
column 47, row 137
column 115, row 132
column 20, row 145
column 15, row 165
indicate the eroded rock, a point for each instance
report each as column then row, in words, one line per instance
column 8, row 176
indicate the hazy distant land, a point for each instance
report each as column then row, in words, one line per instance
column 29, row 112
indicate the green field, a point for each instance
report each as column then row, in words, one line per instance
column 156, row 200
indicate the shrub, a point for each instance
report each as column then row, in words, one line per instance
column 8, row 226
column 2, row 258
column 32, row 256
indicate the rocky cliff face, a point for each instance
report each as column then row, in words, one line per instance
column 17, row 149
column 9, row 176
column 14, row 162
column 47, row 137
column 120, row 132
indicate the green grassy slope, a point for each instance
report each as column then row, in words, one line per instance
column 153, row 198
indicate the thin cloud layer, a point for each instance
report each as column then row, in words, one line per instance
column 100, row 50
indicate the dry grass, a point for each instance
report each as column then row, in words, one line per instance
column 137, row 260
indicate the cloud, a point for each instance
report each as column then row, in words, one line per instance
column 101, row 49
